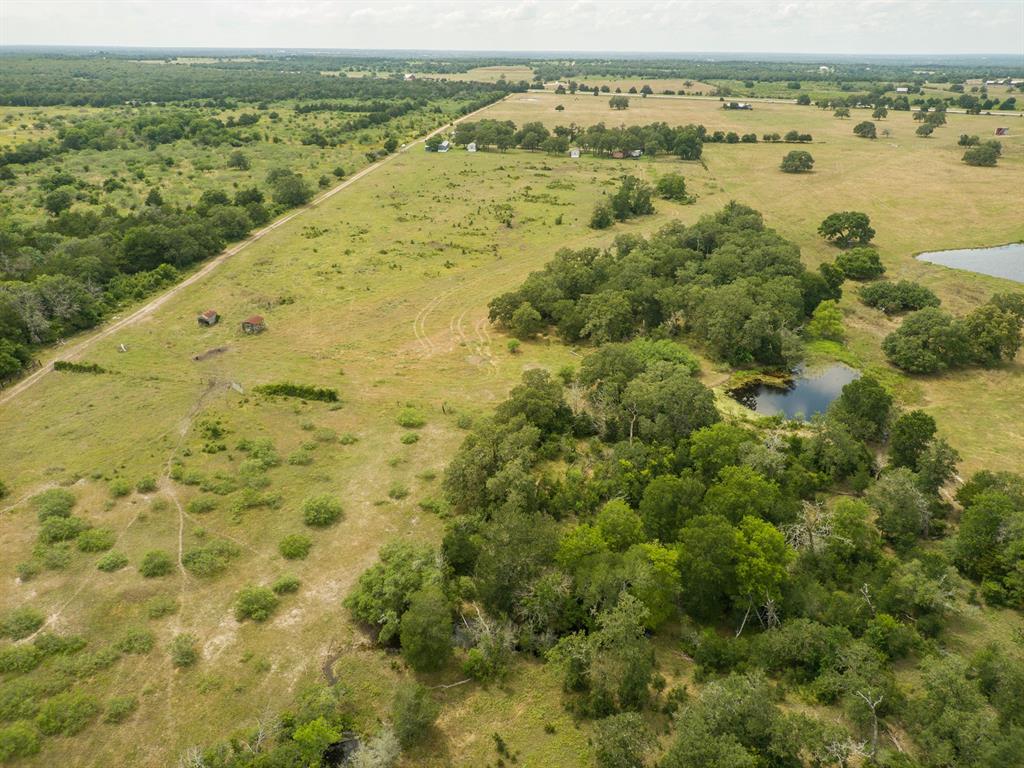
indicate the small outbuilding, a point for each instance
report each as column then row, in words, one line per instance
column 636, row 153
column 1002, row 131
column 903, row 89
column 444, row 146
column 254, row 324
column 618, row 155
column 471, row 147
column 208, row 318
column 574, row 154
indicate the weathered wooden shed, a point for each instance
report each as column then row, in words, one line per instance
column 208, row 318
column 254, row 324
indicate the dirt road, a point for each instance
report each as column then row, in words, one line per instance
column 73, row 350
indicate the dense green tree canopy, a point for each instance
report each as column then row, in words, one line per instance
column 847, row 228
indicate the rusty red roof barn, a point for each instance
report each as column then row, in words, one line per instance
column 253, row 324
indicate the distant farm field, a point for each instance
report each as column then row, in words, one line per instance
column 659, row 85
column 381, row 293
column 513, row 73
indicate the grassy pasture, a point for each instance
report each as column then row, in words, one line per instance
column 776, row 89
column 513, row 73
column 381, row 293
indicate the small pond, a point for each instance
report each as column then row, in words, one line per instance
column 999, row 261
column 809, row 393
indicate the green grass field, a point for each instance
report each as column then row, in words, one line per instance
column 381, row 293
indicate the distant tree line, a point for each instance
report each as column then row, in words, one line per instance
column 656, row 138
column 104, row 80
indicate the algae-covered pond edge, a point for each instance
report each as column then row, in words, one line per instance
column 808, row 392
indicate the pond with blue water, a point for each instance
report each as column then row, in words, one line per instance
column 999, row 261
column 809, row 393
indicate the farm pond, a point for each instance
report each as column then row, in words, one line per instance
column 999, row 261
column 809, row 392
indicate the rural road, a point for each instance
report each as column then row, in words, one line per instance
column 71, row 351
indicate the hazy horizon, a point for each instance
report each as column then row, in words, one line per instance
column 509, row 27
column 723, row 55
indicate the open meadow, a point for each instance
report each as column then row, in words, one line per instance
column 381, row 293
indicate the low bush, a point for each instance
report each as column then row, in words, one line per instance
column 64, row 365
column 201, row 505
column 21, row 622
column 300, row 459
column 183, row 651
column 321, row 511
column 894, row 298
column 159, row 606
column 156, row 563
column 286, row 585
column 211, row 559
column 67, row 713
column 398, row 491
column 28, row 569
column 409, row 438
column 50, row 644
column 120, row 708
column 302, row 391
column 55, row 502
column 325, row 435
column 20, row 739
column 19, row 658
column 982, row 156
column 410, row 418
column 146, row 485
column 860, row 264
column 96, row 540
column 54, row 557
column 413, row 713
column 86, row 665
column 55, row 529
column 112, row 561
column 256, row 603
column 295, row 546
column 136, row 640
column 119, row 487
column 262, row 454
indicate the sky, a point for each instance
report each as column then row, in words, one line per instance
column 663, row 26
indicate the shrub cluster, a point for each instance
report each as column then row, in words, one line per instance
column 931, row 340
column 896, row 298
column 302, row 391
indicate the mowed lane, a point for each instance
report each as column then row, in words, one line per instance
column 75, row 350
